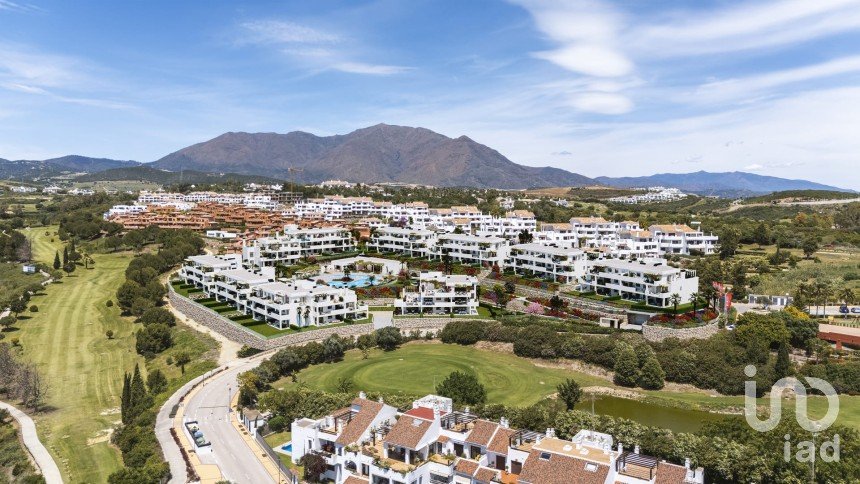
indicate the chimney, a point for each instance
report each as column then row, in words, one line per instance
column 636, row 449
column 381, row 400
column 550, row 432
column 362, row 395
column 503, row 422
column 620, row 448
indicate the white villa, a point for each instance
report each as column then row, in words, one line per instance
column 650, row 281
column 370, row 442
column 294, row 244
column 439, row 293
column 557, row 264
column 374, row 265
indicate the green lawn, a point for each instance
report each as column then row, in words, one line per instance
column 416, row 368
column 13, row 280
column 66, row 340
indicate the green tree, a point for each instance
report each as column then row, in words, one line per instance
column 626, row 366
column 782, row 367
column 569, row 392
column 57, row 263
column 182, row 359
column 314, row 466
column 65, row 256
column 333, row 348
column 463, row 388
column 651, row 376
column 156, row 381
column 729, row 241
column 675, row 300
column 388, row 338
column 809, row 246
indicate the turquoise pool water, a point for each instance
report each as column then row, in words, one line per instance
column 358, row 280
column 288, row 448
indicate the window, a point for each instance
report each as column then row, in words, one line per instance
column 544, row 456
column 591, row 467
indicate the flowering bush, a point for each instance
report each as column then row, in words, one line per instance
column 534, row 308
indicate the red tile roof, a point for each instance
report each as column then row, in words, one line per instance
column 561, row 469
column 466, row 466
column 408, row 431
column 670, row 473
column 485, row 474
column 501, row 441
column 420, row 412
column 482, row 432
column 355, row 480
column 352, row 432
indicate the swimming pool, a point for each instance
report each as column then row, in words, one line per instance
column 288, row 448
column 356, row 280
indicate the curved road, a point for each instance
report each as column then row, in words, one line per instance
column 40, row 454
column 210, row 407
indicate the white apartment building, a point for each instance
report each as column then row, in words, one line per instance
column 635, row 244
column 649, row 281
column 556, row 234
column 123, row 209
column 294, row 244
column 681, row 239
column 23, row 189
column 201, row 270
column 432, row 443
column 302, row 303
column 565, row 265
column 410, row 242
column 594, row 231
column 471, row 249
column 509, row 226
column 652, row 194
column 439, row 293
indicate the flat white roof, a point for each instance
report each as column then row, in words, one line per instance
column 548, row 249
column 215, row 260
column 648, row 266
column 243, row 275
column 473, row 238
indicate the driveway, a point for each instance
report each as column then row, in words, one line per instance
column 40, row 454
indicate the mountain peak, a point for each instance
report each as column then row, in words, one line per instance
column 382, row 152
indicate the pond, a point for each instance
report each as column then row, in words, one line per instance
column 675, row 419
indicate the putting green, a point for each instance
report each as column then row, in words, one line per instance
column 416, row 368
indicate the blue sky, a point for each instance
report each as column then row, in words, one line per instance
column 596, row 87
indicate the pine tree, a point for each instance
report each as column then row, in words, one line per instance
column 125, row 400
column 57, row 263
column 782, row 367
column 652, row 376
column 626, row 366
column 65, row 256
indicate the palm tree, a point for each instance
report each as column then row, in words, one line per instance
column 847, row 295
column 823, row 291
column 675, row 299
column 307, row 313
column 694, row 300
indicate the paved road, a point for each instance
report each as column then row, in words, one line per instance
column 210, row 407
column 40, row 454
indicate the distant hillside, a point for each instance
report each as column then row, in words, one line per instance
column 381, row 153
column 729, row 184
column 148, row 174
column 801, row 196
column 31, row 169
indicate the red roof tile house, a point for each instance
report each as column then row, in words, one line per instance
column 432, row 443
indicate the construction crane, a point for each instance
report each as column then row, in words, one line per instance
column 291, row 171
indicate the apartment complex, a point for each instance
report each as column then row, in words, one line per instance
column 294, row 244
column 652, row 195
column 558, row 264
column 432, row 443
column 681, row 239
column 280, row 304
column 439, row 293
column 471, row 249
column 409, row 242
column 649, row 281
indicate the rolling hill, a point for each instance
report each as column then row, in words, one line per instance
column 728, row 184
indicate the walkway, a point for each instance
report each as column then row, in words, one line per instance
column 382, row 319
column 40, row 454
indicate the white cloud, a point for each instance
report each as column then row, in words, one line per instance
column 279, row 32
column 590, row 59
column 724, row 90
column 744, row 26
column 602, row 103
column 372, row 69
column 754, row 167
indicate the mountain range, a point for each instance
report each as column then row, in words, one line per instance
column 380, row 153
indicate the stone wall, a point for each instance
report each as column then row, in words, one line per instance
column 659, row 333
column 235, row 332
column 407, row 325
column 379, row 301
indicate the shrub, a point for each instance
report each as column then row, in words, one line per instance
column 388, row 338
column 157, row 316
column 651, row 376
column 34, row 309
column 536, row 342
column 626, row 366
column 462, row 332
column 277, row 424
column 153, row 339
column 109, row 303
